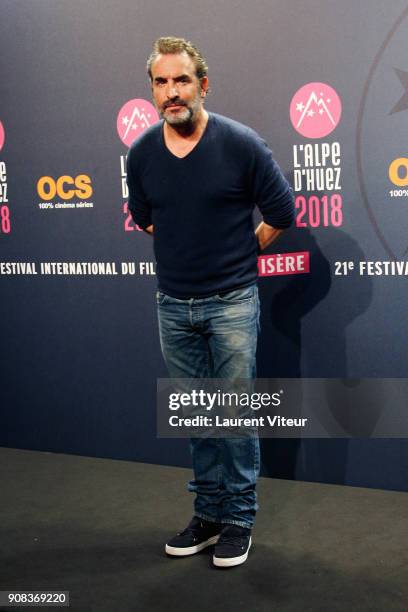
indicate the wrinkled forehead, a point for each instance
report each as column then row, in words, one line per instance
column 171, row 65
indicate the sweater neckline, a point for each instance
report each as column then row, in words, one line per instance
column 196, row 146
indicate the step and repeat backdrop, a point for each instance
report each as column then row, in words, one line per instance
column 326, row 85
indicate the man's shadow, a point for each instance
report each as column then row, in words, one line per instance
column 304, row 318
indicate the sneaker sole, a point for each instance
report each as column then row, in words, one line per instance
column 190, row 550
column 231, row 561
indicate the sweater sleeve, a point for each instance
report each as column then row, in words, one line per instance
column 137, row 201
column 271, row 191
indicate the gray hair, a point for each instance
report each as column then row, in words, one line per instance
column 171, row 44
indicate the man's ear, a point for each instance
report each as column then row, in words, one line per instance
column 204, row 86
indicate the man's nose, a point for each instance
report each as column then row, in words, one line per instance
column 172, row 91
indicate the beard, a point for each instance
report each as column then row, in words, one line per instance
column 185, row 116
column 182, row 117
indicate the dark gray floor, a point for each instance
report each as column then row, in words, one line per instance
column 97, row 527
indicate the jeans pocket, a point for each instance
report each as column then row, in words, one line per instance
column 160, row 297
column 237, row 296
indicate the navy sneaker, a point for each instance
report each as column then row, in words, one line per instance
column 198, row 535
column 232, row 546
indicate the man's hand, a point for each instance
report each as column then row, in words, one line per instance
column 266, row 234
column 149, row 229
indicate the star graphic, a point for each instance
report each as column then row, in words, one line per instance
column 402, row 103
column 125, row 120
column 310, row 112
column 300, row 106
column 321, row 111
column 134, row 126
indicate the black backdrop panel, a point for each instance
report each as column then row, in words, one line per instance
column 79, row 350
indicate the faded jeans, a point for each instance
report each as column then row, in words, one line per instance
column 216, row 337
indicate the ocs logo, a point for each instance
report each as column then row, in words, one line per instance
column 66, row 187
column 398, row 172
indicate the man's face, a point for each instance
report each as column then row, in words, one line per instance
column 177, row 92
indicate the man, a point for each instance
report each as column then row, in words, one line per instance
column 193, row 181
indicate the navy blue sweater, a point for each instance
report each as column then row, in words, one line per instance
column 201, row 205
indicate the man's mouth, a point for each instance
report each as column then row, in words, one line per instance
column 174, row 106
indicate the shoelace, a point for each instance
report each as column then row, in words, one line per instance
column 191, row 529
column 233, row 539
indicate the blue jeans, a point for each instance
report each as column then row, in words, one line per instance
column 216, row 337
